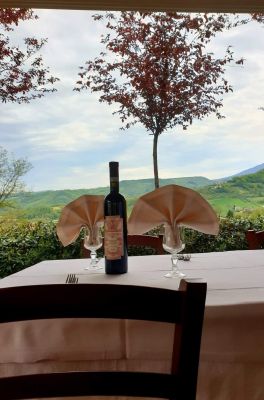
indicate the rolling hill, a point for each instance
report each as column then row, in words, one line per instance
column 245, row 191
column 129, row 188
column 249, row 171
column 238, row 192
column 251, row 185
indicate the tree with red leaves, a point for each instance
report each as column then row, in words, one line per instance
column 259, row 17
column 23, row 76
column 159, row 71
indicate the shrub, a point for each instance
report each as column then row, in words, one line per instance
column 23, row 244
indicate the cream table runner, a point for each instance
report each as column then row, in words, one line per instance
column 232, row 352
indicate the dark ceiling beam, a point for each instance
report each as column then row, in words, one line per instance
column 240, row 6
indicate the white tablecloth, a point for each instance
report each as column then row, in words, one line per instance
column 232, row 351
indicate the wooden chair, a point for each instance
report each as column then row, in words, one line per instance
column 255, row 239
column 184, row 307
column 153, row 242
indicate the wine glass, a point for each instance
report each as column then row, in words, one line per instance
column 93, row 241
column 173, row 243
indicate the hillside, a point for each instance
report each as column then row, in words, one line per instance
column 239, row 192
column 129, row 188
column 246, row 191
column 249, row 171
column 136, row 188
column 251, row 185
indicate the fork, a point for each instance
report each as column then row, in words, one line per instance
column 71, row 278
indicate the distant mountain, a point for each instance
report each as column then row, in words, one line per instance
column 240, row 191
column 129, row 188
column 136, row 188
column 249, row 171
column 251, row 185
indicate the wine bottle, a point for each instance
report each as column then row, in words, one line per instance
column 115, row 234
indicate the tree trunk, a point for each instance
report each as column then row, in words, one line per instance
column 155, row 159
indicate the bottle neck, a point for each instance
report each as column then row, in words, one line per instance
column 114, row 184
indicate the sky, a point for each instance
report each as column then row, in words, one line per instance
column 69, row 137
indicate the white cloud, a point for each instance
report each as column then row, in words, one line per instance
column 70, row 137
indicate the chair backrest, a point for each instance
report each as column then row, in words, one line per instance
column 255, row 239
column 184, row 307
column 153, row 242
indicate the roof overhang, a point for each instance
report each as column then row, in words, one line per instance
column 238, row 6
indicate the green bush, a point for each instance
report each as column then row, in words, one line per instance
column 23, row 244
column 231, row 236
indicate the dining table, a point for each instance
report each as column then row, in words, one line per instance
column 232, row 348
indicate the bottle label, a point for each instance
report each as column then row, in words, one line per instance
column 113, row 243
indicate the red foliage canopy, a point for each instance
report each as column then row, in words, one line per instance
column 23, row 76
column 160, row 71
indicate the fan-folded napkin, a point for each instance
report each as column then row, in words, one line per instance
column 85, row 211
column 173, row 206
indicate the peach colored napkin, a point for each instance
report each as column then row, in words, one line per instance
column 173, row 206
column 86, row 211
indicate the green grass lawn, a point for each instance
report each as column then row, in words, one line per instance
column 222, row 205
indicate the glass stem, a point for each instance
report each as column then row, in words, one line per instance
column 93, row 257
column 174, row 262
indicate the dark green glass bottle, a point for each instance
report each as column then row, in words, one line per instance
column 115, row 236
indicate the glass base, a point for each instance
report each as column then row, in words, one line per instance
column 93, row 267
column 175, row 274
column 94, row 264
